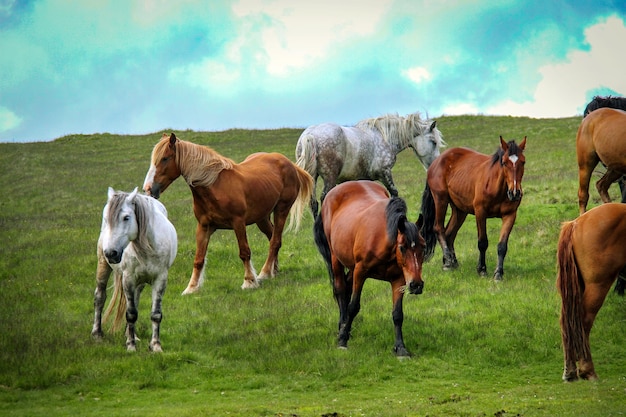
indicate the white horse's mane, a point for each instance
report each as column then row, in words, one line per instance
column 141, row 205
column 400, row 130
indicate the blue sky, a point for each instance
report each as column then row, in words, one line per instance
column 142, row 66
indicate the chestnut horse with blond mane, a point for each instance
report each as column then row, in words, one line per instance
column 590, row 256
column 227, row 195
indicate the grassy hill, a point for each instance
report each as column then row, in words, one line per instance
column 480, row 348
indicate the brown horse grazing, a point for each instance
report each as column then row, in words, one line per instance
column 590, row 255
column 478, row 184
column 227, row 195
column 601, row 138
column 364, row 231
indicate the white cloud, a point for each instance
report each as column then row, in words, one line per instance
column 299, row 34
column 563, row 89
column 417, row 74
column 8, row 120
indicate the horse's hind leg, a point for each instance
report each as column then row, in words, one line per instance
column 593, row 298
column 103, row 272
column 457, row 218
column 585, row 169
column 156, row 315
column 270, row 268
column 387, row 180
column 603, row 184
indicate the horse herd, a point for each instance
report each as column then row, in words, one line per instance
column 361, row 229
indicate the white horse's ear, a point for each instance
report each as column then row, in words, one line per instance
column 131, row 197
column 110, row 192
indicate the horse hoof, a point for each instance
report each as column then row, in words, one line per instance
column 156, row 348
column 190, row 290
column 249, row 285
column 401, row 352
column 131, row 348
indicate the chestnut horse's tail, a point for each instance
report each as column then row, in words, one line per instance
column 322, row 244
column 568, row 282
column 427, row 230
column 305, row 182
column 118, row 299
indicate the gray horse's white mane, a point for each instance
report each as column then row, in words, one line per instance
column 397, row 129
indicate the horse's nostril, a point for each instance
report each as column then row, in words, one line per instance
column 113, row 256
column 416, row 287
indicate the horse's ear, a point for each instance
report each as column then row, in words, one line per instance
column 522, row 144
column 503, row 144
column 172, row 140
column 131, row 197
column 110, row 192
column 433, row 126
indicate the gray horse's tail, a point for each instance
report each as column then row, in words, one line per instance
column 306, row 157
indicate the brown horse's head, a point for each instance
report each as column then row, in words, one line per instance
column 409, row 245
column 512, row 160
column 163, row 166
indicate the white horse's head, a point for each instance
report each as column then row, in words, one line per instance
column 427, row 141
column 119, row 224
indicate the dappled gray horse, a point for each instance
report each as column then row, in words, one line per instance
column 366, row 151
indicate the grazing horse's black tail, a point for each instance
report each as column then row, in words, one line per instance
column 427, row 230
column 322, row 244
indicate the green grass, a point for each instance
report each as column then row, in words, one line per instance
column 480, row 348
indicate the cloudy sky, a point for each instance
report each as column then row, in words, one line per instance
column 142, row 66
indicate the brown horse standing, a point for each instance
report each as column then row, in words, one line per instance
column 227, row 195
column 601, row 138
column 364, row 231
column 590, row 255
column 473, row 183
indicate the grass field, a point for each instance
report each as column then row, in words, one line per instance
column 480, row 348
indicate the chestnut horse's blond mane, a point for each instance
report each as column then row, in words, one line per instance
column 199, row 165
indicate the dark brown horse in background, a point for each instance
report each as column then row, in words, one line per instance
column 472, row 183
column 227, row 195
column 590, row 255
column 362, row 233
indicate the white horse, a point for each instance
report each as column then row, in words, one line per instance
column 365, row 151
column 138, row 244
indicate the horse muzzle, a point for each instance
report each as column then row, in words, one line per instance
column 154, row 190
column 514, row 195
column 416, row 287
column 113, row 256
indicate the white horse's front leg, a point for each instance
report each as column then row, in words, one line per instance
column 158, row 289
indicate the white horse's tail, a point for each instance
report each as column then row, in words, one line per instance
column 306, row 153
column 118, row 299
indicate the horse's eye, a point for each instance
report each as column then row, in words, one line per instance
column 402, row 249
column 126, row 218
column 166, row 159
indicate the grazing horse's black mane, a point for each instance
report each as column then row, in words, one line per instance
column 608, row 101
column 396, row 218
column 513, row 150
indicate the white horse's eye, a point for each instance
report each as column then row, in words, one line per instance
column 126, row 218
